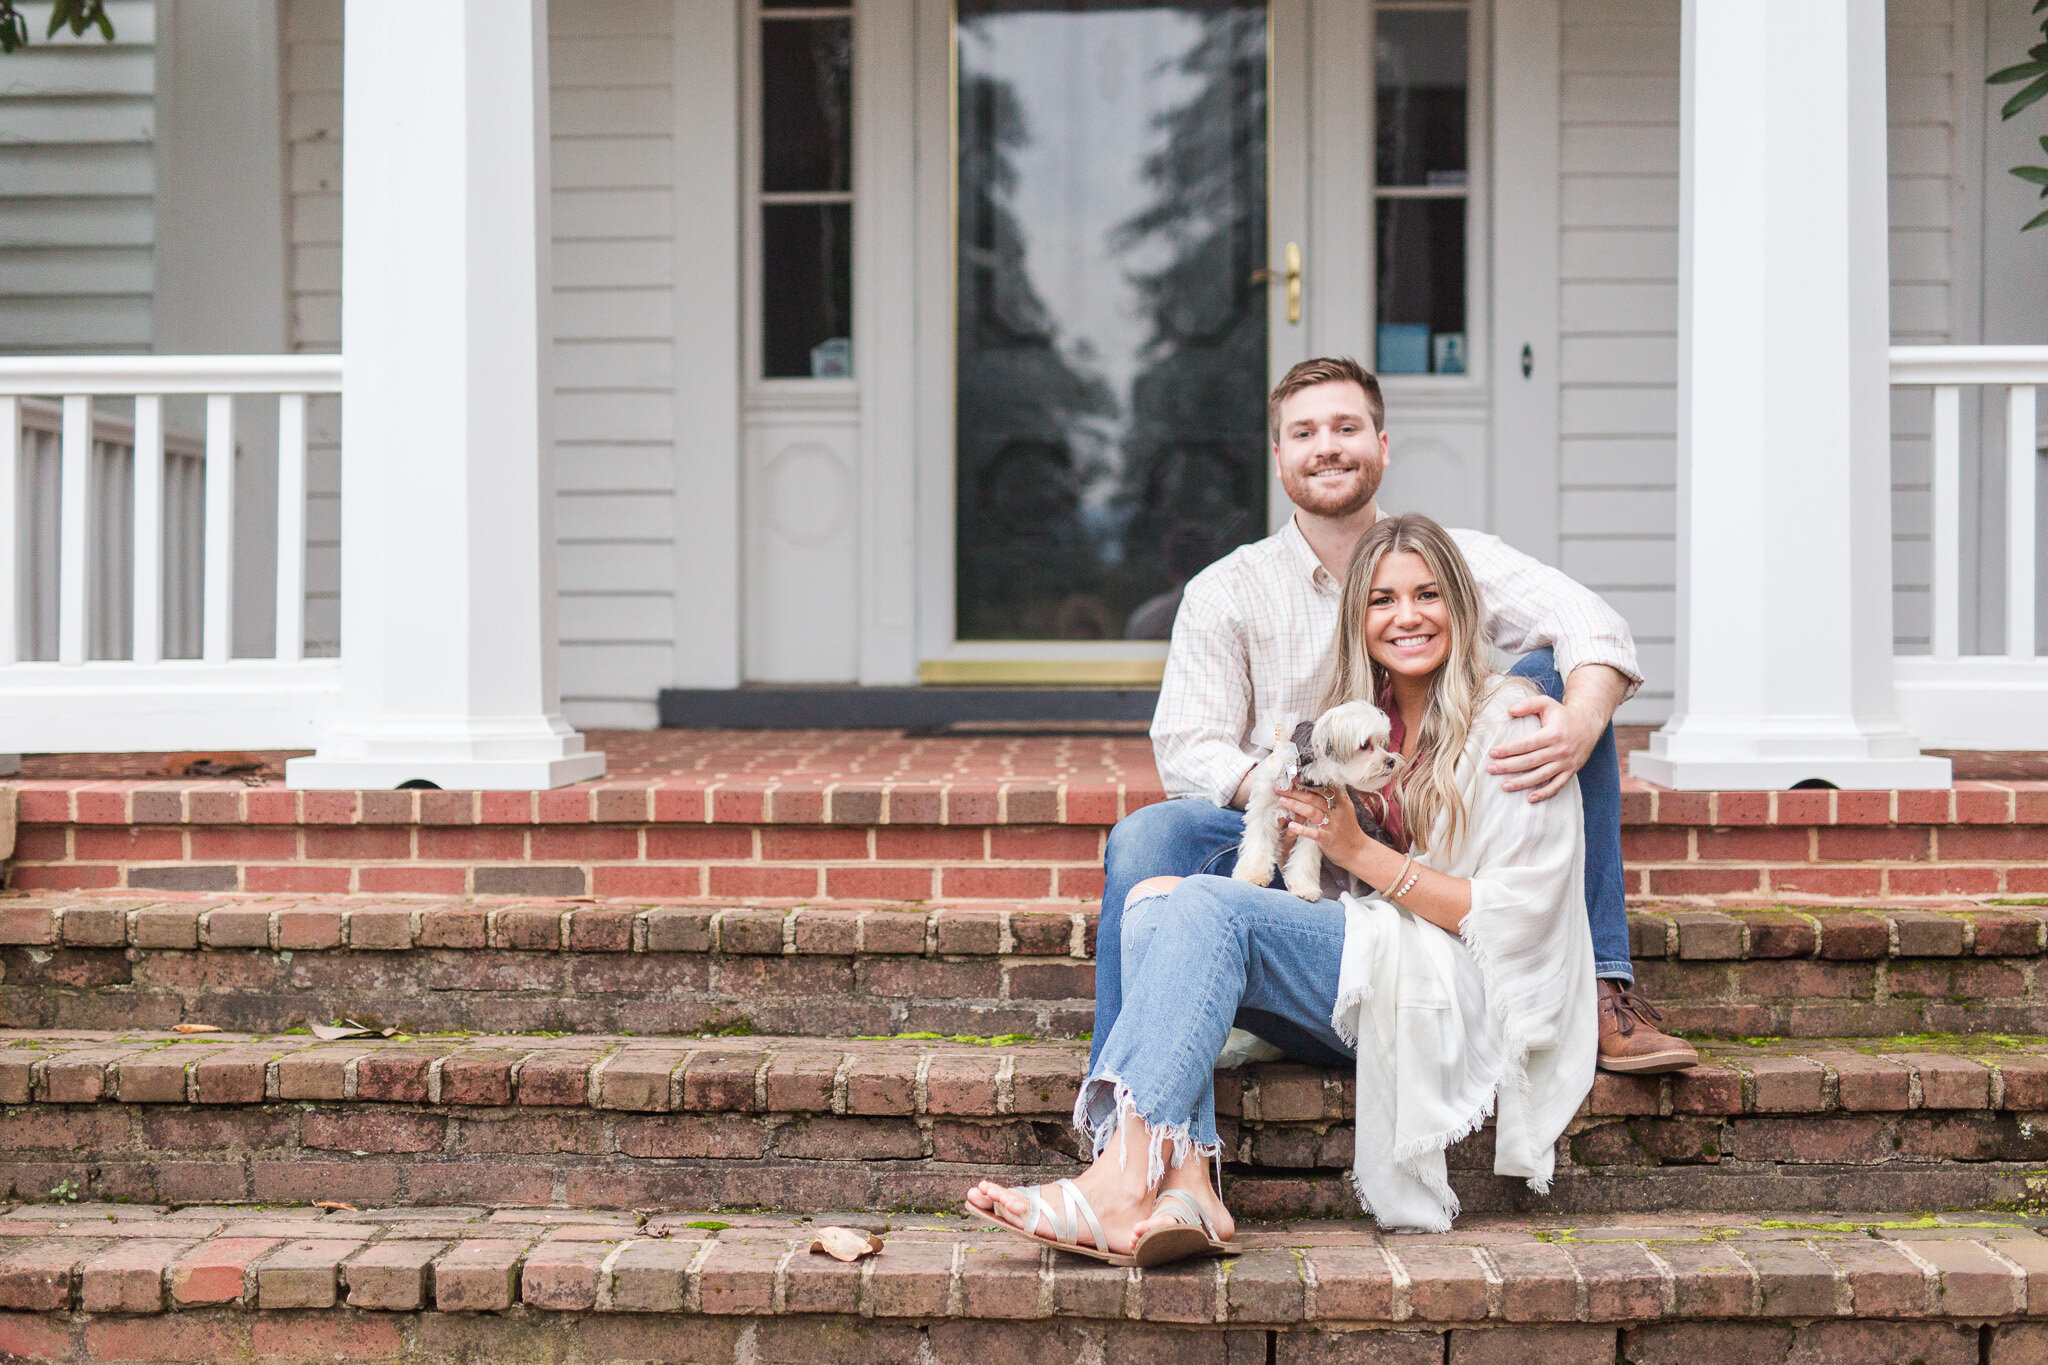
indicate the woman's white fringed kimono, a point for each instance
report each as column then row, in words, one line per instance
column 1500, row 1019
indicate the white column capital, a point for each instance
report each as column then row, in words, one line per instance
column 447, row 486
column 1784, row 427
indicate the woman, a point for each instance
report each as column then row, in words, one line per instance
column 1462, row 985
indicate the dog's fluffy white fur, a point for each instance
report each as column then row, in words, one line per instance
column 1348, row 747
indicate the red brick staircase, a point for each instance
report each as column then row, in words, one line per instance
column 649, row 1027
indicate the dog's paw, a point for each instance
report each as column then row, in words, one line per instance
column 1247, row 872
column 1309, row 889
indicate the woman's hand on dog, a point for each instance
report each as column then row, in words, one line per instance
column 1313, row 814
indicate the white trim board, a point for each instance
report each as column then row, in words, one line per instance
column 1982, row 703
column 176, row 704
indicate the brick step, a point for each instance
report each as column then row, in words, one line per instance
column 438, row 966
column 834, row 970
column 126, row 1283
column 805, row 836
column 805, row 1125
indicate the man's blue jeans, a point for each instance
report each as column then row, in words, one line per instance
column 1188, row 837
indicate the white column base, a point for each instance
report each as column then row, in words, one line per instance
column 523, row 761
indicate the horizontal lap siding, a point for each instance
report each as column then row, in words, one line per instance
column 1618, row 311
column 77, row 188
column 312, row 113
column 614, row 356
column 614, row 319
column 1921, row 51
column 1618, row 303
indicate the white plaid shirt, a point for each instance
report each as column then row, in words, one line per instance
column 1255, row 627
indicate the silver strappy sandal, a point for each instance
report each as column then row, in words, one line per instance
column 1193, row 1234
column 1064, row 1224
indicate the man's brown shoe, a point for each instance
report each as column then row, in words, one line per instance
column 1630, row 1043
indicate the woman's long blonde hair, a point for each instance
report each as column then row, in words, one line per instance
column 1429, row 787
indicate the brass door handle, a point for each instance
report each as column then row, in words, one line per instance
column 1292, row 275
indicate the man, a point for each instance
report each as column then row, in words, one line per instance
column 1248, row 648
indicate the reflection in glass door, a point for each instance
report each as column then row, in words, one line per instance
column 1112, row 349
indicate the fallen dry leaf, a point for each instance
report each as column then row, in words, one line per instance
column 846, row 1244
column 195, row 1028
column 334, row 1205
column 347, row 1028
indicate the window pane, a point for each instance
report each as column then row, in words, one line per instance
column 1422, row 70
column 806, row 290
column 1112, row 361
column 806, row 98
column 1422, row 286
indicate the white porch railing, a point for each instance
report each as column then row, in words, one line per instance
column 1979, row 701
column 110, row 573
column 111, row 484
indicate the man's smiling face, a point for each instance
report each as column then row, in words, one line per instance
column 1330, row 455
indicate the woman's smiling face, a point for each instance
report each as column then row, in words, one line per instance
column 1407, row 625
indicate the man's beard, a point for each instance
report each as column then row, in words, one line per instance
column 1320, row 500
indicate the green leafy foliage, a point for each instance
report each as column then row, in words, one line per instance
column 2032, row 78
column 76, row 15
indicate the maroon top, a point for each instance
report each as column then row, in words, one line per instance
column 1389, row 799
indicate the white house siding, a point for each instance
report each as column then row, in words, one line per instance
column 77, row 128
column 611, row 64
column 612, row 74
column 312, row 114
column 1618, row 299
column 1926, row 47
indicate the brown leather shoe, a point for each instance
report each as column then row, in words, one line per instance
column 1629, row 1042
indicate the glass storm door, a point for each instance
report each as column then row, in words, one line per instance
column 1112, row 291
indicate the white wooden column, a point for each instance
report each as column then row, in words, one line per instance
column 1784, row 499
column 447, row 589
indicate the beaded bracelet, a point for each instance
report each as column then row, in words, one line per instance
column 1395, row 881
column 1409, row 885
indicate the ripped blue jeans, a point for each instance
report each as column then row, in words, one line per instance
column 1209, row 953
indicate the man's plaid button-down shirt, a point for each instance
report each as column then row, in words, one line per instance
column 1255, row 627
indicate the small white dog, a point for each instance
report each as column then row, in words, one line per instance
column 1346, row 747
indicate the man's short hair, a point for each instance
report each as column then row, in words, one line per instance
column 1326, row 370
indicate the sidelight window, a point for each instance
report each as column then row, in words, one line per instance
column 1422, row 184
column 805, row 192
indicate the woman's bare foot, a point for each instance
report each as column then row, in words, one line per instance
column 1115, row 1190
column 1192, row 1176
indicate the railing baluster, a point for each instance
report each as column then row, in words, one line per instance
column 2019, row 521
column 10, row 527
column 291, row 527
column 1948, row 513
column 74, row 503
column 146, row 611
column 218, row 590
